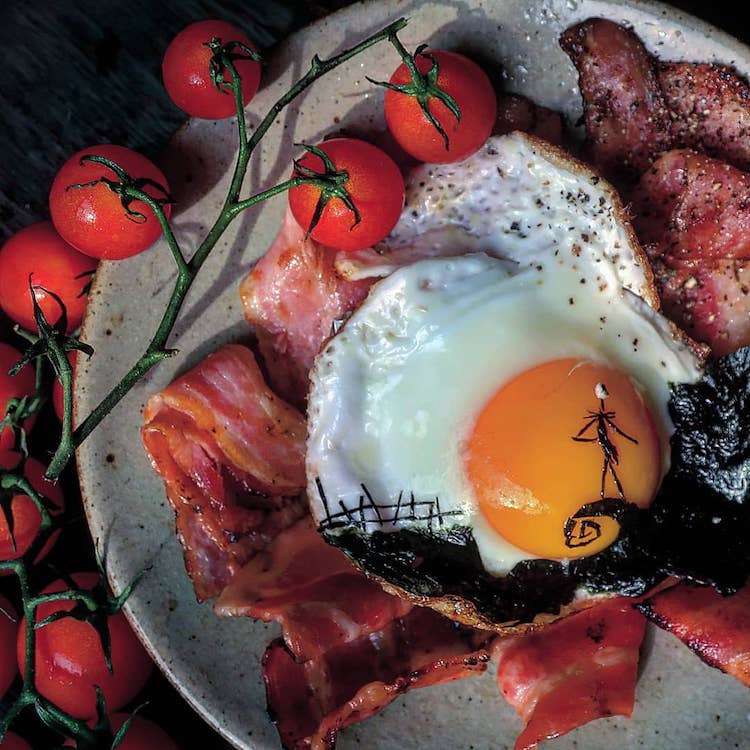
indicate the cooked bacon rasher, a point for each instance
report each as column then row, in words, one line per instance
column 626, row 119
column 637, row 107
column 714, row 626
column 691, row 208
column 710, row 109
column 312, row 590
column 231, row 454
column 573, row 671
column 291, row 298
column 692, row 213
column 516, row 112
column 311, row 701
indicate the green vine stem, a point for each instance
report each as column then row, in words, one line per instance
column 188, row 269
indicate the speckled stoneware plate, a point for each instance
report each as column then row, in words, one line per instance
column 681, row 703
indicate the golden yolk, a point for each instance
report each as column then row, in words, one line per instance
column 554, row 439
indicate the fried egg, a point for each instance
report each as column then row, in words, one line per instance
column 508, row 383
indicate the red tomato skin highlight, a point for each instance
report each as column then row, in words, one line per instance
column 39, row 251
column 8, row 634
column 23, row 383
column 92, row 219
column 26, row 516
column 70, row 659
column 12, row 741
column 468, row 84
column 376, row 188
column 185, row 71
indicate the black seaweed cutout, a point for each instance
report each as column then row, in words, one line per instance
column 411, row 510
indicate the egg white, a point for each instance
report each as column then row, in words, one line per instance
column 396, row 393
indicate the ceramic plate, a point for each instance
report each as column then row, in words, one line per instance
column 681, row 703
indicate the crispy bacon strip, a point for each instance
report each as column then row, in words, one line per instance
column 693, row 209
column 710, row 302
column 710, row 106
column 692, row 213
column 636, row 108
column 311, row 701
column 516, row 112
column 312, row 590
column 292, row 297
column 627, row 121
column 573, row 671
column 713, row 626
column 231, row 455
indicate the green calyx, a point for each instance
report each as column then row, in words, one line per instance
column 129, row 189
column 223, row 59
column 330, row 182
column 424, row 87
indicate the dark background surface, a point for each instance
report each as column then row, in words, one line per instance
column 74, row 74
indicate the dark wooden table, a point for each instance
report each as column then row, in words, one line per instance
column 79, row 72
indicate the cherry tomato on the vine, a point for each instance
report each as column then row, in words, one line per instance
column 375, row 187
column 8, row 632
column 55, row 268
column 26, row 515
column 472, row 91
column 12, row 741
column 141, row 734
column 186, row 70
column 70, row 659
column 23, row 383
column 93, row 219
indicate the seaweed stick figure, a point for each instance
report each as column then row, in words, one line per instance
column 604, row 420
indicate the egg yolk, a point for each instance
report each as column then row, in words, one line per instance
column 558, row 437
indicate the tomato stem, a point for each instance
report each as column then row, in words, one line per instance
column 330, row 182
column 19, row 410
column 188, row 269
column 223, row 59
column 423, row 86
column 127, row 187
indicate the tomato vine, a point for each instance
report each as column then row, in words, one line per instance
column 188, row 269
column 53, row 345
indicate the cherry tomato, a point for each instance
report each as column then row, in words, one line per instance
column 375, row 186
column 70, row 658
column 12, row 741
column 39, row 251
column 186, row 75
column 57, row 389
column 23, row 383
column 8, row 632
column 26, row 516
column 468, row 84
column 93, row 219
column 142, row 734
